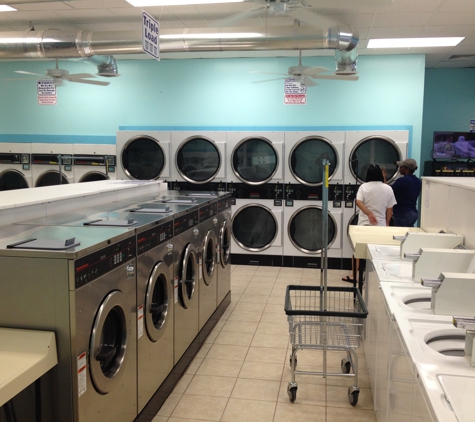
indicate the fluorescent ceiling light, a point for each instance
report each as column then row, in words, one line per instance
column 215, row 36
column 414, row 42
column 5, row 8
column 150, row 3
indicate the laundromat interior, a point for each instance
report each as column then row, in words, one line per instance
column 176, row 224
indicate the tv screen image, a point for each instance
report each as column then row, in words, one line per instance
column 453, row 145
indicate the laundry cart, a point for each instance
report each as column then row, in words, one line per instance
column 325, row 318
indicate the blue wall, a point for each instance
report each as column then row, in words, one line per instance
column 449, row 103
column 213, row 93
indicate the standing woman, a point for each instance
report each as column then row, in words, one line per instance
column 375, row 199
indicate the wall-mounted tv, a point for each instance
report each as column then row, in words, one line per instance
column 454, row 145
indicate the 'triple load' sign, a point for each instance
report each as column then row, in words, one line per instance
column 150, row 36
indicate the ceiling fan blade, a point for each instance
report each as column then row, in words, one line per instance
column 24, row 72
column 86, row 81
column 309, row 82
column 81, row 75
column 337, row 77
column 268, row 80
column 237, row 17
column 315, row 70
column 20, row 79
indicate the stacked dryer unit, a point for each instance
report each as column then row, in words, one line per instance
column 363, row 148
column 305, row 156
column 46, row 162
column 143, row 155
column 255, row 182
column 81, row 284
column 15, row 166
column 94, row 162
column 199, row 161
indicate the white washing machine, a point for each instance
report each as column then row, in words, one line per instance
column 257, row 231
column 79, row 283
column 15, row 166
column 303, row 239
column 45, row 164
column 143, row 155
column 304, row 153
column 255, row 158
column 199, row 161
column 383, row 147
column 94, row 162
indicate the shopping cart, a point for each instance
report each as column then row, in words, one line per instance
column 325, row 318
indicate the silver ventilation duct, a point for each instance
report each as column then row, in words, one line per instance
column 85, row 44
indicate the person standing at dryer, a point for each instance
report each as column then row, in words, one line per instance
column 406, row 190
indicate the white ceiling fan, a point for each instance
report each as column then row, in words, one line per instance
column 58, row 75
column 307, row 74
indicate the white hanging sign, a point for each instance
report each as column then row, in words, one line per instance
column 46, row 90
column 295, row 93
column 150, row 36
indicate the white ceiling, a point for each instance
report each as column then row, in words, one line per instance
column 396, row 19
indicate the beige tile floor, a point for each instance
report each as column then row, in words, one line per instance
column 242, row 371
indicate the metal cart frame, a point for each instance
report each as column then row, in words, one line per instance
column 325, row 318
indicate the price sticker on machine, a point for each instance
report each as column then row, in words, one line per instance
column 82, row 373
column 140, row 321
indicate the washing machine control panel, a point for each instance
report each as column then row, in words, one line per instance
column 96, row 264
column 187, row 186
column 208, row 211
column 185, row 222
column 297, row 191
column 12, row 158
column 264, row 191
column 350, row 195
column 224, row 204
column 153, row 237
column 53, row 159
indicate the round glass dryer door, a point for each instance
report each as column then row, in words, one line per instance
column 143, row 158
column 12, row 179
column 254, row 227
column 198, row 160
column 306, row 160
column 51, row 178
column 254, row 160
column 305, row 229
column 375, row 150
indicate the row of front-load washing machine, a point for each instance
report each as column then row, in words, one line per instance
column 25, row 165
column 131, row 290
column 275, row 179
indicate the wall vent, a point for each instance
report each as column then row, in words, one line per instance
column 461, row 57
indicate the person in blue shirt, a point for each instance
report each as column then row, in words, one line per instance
column 406, row 190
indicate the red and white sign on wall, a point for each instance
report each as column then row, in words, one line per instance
column 295, row 93
column 46, row 92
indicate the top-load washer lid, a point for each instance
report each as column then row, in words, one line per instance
column 151, row 210
column 198, row 159
column 142, row 158
column 306, row 160
column 48, row 244
column 374, row 150
column 111, row 223
column 254, row 160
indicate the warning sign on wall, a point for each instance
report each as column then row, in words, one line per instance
column 295, row 92
column 46, row 92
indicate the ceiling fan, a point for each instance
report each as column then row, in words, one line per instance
column 58, row 75
column 307, row 74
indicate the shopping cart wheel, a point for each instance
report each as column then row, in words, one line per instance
column 345, row 366
column 353, row 393
column 290, row 361
column 292, row 391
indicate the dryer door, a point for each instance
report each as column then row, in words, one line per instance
column 143, row 158
column 198, row 160
column 12, row 179
column 255, row 160
column 375, row 150
column 188, row 279
column 224, row 244
column 209, row 257
column 108, row 344
column 157, row 301
column 306, row 160
column 305, row 229
column 255, row 227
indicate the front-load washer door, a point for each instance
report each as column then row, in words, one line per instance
column 108, row 344
column 209, row 257
column 157, row 302
column 255, row 227
column 188, row 277
column 51, row 178
column 305, row 229
column 224, row 244
column 255, row 160
column 12, row 179
column 375, row 150
column 198, row 160
column 143, row 158
column 306, row 160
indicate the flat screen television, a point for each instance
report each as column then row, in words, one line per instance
column 453, row 145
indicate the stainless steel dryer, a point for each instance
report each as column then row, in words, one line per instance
column 79, row 283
